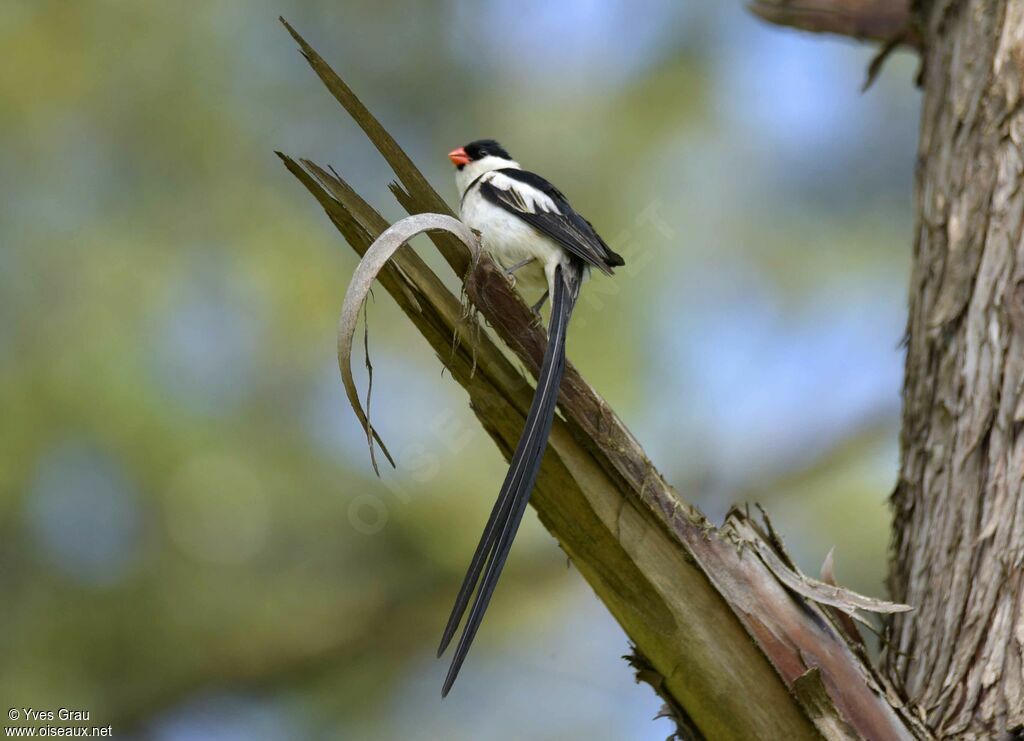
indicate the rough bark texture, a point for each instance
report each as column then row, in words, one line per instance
column 958, row 543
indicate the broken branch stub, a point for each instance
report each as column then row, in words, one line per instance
column 376, row 257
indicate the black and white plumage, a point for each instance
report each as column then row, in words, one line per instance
column 528, row 226
column 521, row 216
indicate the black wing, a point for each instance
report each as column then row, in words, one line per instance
column 565, row 226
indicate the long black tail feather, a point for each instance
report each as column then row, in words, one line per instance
column 496, row 541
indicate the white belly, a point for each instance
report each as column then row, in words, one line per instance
column 509, row 240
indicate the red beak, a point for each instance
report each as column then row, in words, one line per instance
column 459, row 156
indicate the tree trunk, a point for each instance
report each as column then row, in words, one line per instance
column 958, row 537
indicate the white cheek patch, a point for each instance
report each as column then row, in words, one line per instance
column 533, row 200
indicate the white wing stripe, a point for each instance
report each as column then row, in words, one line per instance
column 535, row 200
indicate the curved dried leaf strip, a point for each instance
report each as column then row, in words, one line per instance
column 845, row 622
column 376, row 257
column 818, row 591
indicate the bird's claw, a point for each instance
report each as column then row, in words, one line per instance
column 538, row 320
column 510, row 272
column 537, row 306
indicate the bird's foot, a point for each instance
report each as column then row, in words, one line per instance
column 510, row 272
column 538, row 320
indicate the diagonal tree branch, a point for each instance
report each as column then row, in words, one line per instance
column 875, row 20
column 894, row 23
column 740, row 653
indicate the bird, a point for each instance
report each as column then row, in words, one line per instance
column 527, row 225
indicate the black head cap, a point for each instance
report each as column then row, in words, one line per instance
column 483, row 147
column 477, row 150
